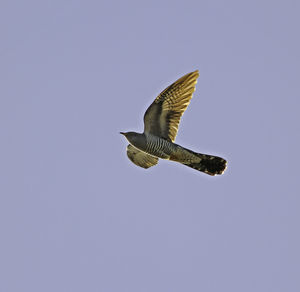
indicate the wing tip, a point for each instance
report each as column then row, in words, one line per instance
column 191, row 77
column 196, row 73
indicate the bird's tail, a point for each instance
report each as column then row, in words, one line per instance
column 209, row 164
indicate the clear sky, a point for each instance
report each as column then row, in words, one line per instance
column 77, row 215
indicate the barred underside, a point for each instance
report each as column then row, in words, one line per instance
column 158, row 147
column 162, row 148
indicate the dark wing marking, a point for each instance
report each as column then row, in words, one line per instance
column 163, row 116
column 140, row 158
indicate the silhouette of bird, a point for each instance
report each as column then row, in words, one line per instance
column 161, row 122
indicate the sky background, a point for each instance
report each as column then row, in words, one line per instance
column 77, row 215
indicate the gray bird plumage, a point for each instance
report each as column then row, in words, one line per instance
column 161, row 122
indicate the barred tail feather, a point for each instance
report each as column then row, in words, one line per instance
column 209, row 164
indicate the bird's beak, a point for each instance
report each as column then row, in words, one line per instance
column 122, row 133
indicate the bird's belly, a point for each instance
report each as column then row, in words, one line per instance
column 158, row 153
column 153, row 151
column 158, row 147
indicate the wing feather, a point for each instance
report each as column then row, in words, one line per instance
column 140, row 158
column 163, row 116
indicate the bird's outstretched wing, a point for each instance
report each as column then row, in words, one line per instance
column 140, row 158
column 163, row 116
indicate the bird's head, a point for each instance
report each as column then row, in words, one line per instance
column 124, row 133
column 130, row 136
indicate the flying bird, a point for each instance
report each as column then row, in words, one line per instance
column 161, row 122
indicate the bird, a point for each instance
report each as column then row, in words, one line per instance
column 161, row 121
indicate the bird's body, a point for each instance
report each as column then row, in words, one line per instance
column 153, row 145
column 161, row 123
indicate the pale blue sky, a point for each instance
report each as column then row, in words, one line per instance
column 77, row 215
